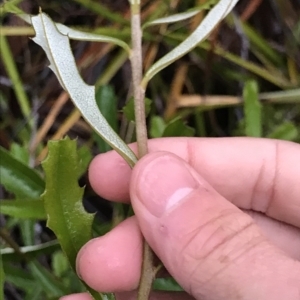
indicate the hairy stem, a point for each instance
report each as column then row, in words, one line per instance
column 137, row 74
column 147, row 273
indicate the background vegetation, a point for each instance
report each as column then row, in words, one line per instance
column 244, row 80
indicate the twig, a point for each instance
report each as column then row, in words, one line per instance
column 147, row 273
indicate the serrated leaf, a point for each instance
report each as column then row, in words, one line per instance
column 128, row 109
column 177, row 127
column 286, row 131
column 213, row 18
column 252, row 109
column 18, row 178
column 24, row 209
column 58, row 50
column 63, row 198
column 67, row 218
column 181, row 16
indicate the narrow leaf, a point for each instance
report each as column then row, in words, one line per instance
column 85, row 157
column 213, row 18
column 286, row 131
column 252, row 110
column 107, row 103
column 18, row 277
column 181, row 16
column 58, row 50
column 173, row 18
column 20, row 152
column 18, row 178
column 24, row 209
column 8, row 254
column 51, row 285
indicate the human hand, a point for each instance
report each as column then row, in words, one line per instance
column 223, row 215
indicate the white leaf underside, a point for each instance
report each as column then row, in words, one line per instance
column 62, row 63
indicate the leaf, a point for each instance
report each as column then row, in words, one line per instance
column 19, row 152
column 288, row 96
column 24, row 209
column 18, row 178
column 286, row 131
column 128, row 109
column 74, row 34
column 157, row 127
column 60, row 263
column 176, row 127
column 18, row 277
column 51, row 285
column 85, row 157
column 9, row 254
column 90, row 37
column 107, row 103
column 62, row 63
column 173, row 18
column 252, row 110
column 213, row 18
column 63, row 200
column 181, row 16
column 166, row 284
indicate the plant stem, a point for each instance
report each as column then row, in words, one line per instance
column 137, row 74
column 147, row 273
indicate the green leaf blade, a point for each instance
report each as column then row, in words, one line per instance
column 63, row 198
column 177, row 127
column 107, row 103
column 18, row 178
column 286, row 131
column 252, row 109
column 24, row 209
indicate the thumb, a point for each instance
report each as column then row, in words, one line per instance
column 213, row 249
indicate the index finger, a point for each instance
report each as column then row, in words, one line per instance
column 254, row 174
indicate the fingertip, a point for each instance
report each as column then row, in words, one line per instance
column 106, row 171
column 112, row 262
column 81, row 296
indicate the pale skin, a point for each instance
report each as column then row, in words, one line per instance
column 223, row 215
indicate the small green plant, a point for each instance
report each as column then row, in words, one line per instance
column 61, row 203
column 54, row 39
